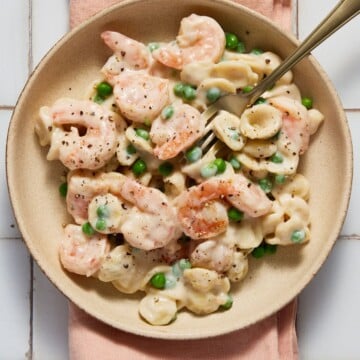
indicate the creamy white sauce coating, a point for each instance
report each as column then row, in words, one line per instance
column 151, row 211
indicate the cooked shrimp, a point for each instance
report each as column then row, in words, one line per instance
column 140, row 96
column 152, row 221
column 200, row 38
column 128, row 54
column 84, row 186
column 173, row 135
column 85, row 137
column 295, row 122
column 213, row 255
column 82, row 254
column 195, row 204
column 247, row 196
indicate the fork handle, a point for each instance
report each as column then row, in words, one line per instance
column 343, row 12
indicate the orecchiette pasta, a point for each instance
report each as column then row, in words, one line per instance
column 260, row 122
column 227, row 129
column 154, row 210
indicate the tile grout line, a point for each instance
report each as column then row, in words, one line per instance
column 349, row 237
column 31, row 290
column 30, row 38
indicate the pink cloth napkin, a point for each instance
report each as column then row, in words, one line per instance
column 271, row 339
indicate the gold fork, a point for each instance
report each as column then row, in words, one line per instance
column 343, row 12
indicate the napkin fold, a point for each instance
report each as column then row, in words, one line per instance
column 273, row 338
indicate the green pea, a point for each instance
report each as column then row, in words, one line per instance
column 247, row 89
column 139, row 167
column 102, row 211
column 235, row 163
column 63, row 189
column 307, row 102
column 240, row 48
column 232, row 41
column 176, row 271
column 184, row 264
column 257, row 51
column 100, row 224
column 220, row 165
column 167, row 112
column 179, row 89
column 266, row 185
column 158, row 280
column 270, row 248
column 153, row 46
column 193, row 154
column 258, row 252
column 147, row 122
column 298, row 236
column 228, row 304
column 259, row 101
column 189, row 93
column 235, row 214
column 87, row 229
column 280, row 179
column 130, row 149
column 170, row 282
column 277, row 158
column 166, row 168
column 98, row 99
column 234, row 134
column 104, row 89
column 208, row 170
column 142, row 133
column 213, row 94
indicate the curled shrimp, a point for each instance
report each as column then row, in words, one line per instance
column 173, row 135
column 82, row 254
column 83, row 186
column 140, row 96
column 295, row 122
column 200, row 38
column 212, row 254
column 128, row 54
column 152, row 221
column 198, row 202
column 85, row 135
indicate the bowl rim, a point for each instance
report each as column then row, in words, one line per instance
column 155, row 332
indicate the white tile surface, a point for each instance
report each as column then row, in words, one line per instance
column 339, row 55
column 14, row 43
column 329, row 312
column 50, row 23
column 14, row 299
column 50, row 314
column 326, row 329
column 352, row 223
column 8, row 226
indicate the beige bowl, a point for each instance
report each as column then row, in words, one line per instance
column 33, row 182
